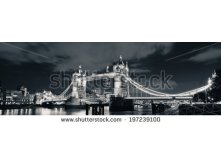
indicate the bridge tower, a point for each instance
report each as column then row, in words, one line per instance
column 118, row 102
column 78, row 91
column 74, row 92
column 79, row 84
column 120, row 87
column 82, row 85
column 117, row 85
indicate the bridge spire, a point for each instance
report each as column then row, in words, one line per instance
column 121, row 60
column 80, row 69
column 214, row 75
column 107, row 69
column 127, row 69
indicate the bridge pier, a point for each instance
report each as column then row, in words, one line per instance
column 97, row 109
column 121, row 104
column 157, row 108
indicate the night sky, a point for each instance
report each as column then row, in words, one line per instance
column 31, row 64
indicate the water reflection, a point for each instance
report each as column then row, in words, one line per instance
column 42, row 111
column 64, row 111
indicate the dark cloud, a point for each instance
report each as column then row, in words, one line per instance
column 33, row 63
column 88, row 54
column 207, row 56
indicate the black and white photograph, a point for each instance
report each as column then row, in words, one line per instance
column 105, row 78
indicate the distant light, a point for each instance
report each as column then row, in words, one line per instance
column 214, row 75
column 209, row 81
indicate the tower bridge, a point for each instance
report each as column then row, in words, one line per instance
column 75, row 93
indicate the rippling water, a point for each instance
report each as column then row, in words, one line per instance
column 64, row 111
column 42, row 111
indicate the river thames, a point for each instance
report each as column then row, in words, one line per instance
column 64, row 111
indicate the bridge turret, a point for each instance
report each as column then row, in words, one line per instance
column 107, row 69
column 74, row 93
column 214, row 75
column 79, row 84
column 80, row 69
column 121, row 60
column 83, row 85
column 119, row 85
column 127, row 69
column 120, row 67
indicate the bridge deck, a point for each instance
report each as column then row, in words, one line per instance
column 160, row 98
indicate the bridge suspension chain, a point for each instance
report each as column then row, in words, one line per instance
column 62, row 95
column 144, row 89
column 156, row 93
